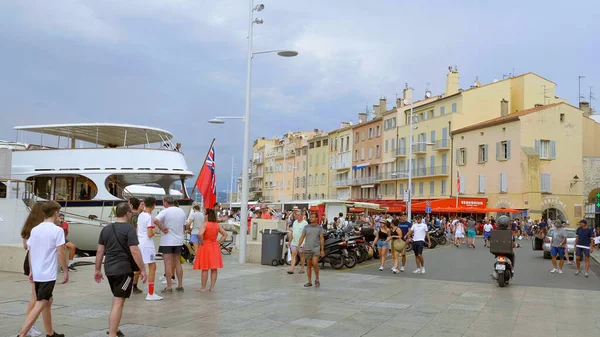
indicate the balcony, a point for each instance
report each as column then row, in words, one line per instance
column 363, row 180
column 393, row 175
column 430, row 171
column 419, row 148
column 400, row 152
column 255, row 189
column 340, row 183
column 256, row 175
column 442, row 145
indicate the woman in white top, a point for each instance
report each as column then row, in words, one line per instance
column 459, row 233
column 194, row 223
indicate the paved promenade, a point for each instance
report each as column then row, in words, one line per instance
column 255, row 300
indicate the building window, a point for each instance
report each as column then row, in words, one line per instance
column 323, row 179
column 325, row 142
column 431, row 188
column 546, row 149
column 503, row 183
column 481, row 183
column 364, row 135
column 355, row 155
column 443, row 192
column 347, row 143
column 483, row 153
column 377, row 151
column 311, row 145
column 370, row 152
column 402, row 189
column 503, row 150
column 453, row 107
column 421, row 187
column 442, row 110
column 362, row 154
column 341, row 144
column 432, row 136
column 356, row 138
column 545, row 182
column 386, row 146
column 370, row 133
column 562, row 118
column 463, row 182
column 318, row 143
column 461, row 156
column 378, row 131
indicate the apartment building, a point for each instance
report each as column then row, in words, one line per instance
column 529, row 160
column 367, row 155
column 301, row 171
column 260, row 147
column 340, row 162
column 318, row 167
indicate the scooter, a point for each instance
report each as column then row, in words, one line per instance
column 334, row 254
column 502, row 270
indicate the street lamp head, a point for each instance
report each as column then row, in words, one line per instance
column 259, row 7
column 259, row 21
column 287, row 53
column 216, row 121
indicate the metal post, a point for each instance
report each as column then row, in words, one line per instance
column 244, row 200
column 284, row 174
column 410, row 142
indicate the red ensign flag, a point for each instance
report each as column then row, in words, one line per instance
column 207, row 180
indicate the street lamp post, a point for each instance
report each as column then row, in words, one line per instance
column 410, row 145
column 246, row 118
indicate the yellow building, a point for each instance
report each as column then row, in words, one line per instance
column 340, row 162
column 260, row 147
column 436, row 116
column 301, row 170
column 318, row 167
column 529, row 160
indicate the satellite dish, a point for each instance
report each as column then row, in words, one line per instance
column 406, row 102
column 427, row 93
column 495, row 80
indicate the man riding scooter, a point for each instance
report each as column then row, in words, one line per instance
column 504, row 225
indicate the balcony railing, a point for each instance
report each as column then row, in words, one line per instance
column 257, row 175
column 363, row 180
column 442, row 144
column 258, row 160
column 419, row 148
column 417, row 172
column 393, row 175
column 401, row 152
column 339, row 183
column 255, row 189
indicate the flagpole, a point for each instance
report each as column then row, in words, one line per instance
column 457, row 186
column 203, row 162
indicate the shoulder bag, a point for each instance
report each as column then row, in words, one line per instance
column 134, row 265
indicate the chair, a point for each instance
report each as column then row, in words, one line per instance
column 225, row 249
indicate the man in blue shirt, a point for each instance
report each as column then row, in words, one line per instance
column 583, row 245
column 404, row 227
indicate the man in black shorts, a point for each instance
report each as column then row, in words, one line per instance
column 119, row 242
column 45, row 248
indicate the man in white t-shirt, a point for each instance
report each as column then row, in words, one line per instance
column 420, row 232
column 294, row 238
column 171, row 221
column 45, row 243
column 145, row 232
column 487, row 232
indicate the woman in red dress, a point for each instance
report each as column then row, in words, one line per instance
column 209, row 253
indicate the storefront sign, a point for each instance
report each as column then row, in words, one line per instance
column 471, row 203
column 553, row 202
column 503, row 202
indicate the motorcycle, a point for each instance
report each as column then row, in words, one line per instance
column 334, row 252
column 358, row 247
column 439, row 235
column 502, row 270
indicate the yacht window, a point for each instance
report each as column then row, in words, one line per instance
column 2, row 190
column 85, row 189
column 42, row 187
column 63, row 188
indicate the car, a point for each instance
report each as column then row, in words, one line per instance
column 570, row 242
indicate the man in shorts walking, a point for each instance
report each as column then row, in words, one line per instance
column 420, row 231
column 119, row 242
column 171, row 221
column 487, row 232
column 583, row 246
column 296, row 233
column 315, row 243
column 471, row 232
column 145, row 233
column 45, row 243
column 404, row 227
column 559, row 241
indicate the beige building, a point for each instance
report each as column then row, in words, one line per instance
column 258, row 170
column 529, row 160
column 436, row 116
column 318, row 167
column 301, row 171
column 340, row 162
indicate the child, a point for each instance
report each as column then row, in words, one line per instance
column 315, row 243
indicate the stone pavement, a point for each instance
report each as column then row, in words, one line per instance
column 254, row 300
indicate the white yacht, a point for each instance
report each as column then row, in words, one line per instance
column 90, row 168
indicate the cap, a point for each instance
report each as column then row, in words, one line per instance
column 61, row 214
column 583, row 221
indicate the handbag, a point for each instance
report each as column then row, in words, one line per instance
column 134, row 265
column 26, row 269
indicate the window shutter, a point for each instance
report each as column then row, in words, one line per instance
column 552, row 149
column 503, row 182
column 433, row 136
column 457, row 156
column 481, row 183
column 485, row 150
column 508, row 149
column 465, row 158
column 462, row 184
column 432, row 165
column 498, row 152
column 431, row 188
column 538, row 146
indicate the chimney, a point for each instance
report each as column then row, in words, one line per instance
column 344, row 125
column 503, row 108
column 382, row 107
column 398, row 102
column 407, row 94
column 452, row 81
column 362, row 117
column 316, row 130
column 585, row 106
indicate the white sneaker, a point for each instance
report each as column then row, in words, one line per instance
column 33, row 332
column 554, row 270
column 586, row 274
column 560, row 271
column 423, row 270
column 395, row 271
column 381, row 268
column 153, row 297
column 162, row 278
column 418, row 271
column 163, row 282
column 402, row 269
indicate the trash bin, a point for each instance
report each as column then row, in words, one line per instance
column 272, row 247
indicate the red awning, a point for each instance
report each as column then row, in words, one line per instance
column 470, row 203
column 356, row 210
column 396, row 209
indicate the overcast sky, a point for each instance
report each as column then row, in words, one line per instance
column 174, row 64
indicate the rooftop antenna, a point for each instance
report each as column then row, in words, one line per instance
column 580, row 97
column 591, row 96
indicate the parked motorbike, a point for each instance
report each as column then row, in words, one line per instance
column 439, row 235
column 357, row 246
column 334, row 254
